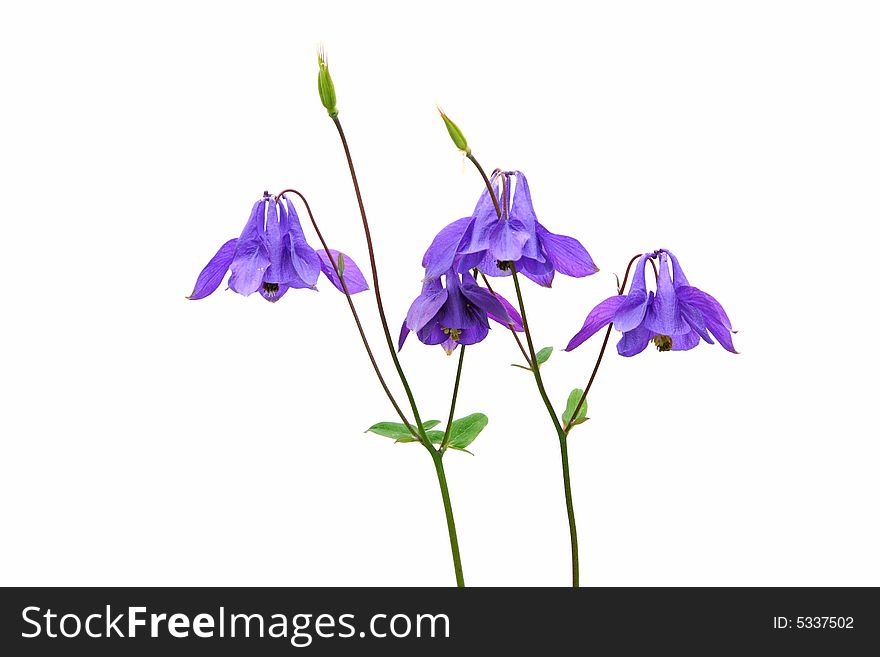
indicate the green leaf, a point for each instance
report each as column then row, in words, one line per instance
column 543, row 355
column 465, row 430
column 522, row 367
column 400, row 433
column 573, row 398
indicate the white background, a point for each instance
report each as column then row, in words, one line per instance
column 150, row 440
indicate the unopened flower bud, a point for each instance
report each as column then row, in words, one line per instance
column 325, row 85
column 457, row 136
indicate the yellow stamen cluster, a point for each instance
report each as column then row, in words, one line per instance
column 454, row 334
column 663, row 342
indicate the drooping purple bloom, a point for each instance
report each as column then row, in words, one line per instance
column 489, row 243
column 675, row 317
column 458, row 313
column 272, row 256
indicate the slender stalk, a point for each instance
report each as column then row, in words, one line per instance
column 436, row 456
column 454, row 399
column 563, row 442
column 376, row 290
column 497, row 205
column 354, row 313
column 450, row 520
column 583, row 398
column 509, row 325
column 486, row 181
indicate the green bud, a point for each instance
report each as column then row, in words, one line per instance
column 325, row 85
column 340, row 264
column 456, row 134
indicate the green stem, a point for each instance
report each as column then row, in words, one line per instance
column 354, row 313
column 450, row 520
column 388, row 339
column 436, row 456
column 560, row 432
column 454, row 399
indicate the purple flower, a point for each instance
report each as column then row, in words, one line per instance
column 272, row 255
column 489, row 243
column 456, row 314
column 675, row 317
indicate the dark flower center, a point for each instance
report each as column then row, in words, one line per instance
column 503, row 265
column 663, row 342
column 271, row 288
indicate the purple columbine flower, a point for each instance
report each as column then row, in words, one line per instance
column 675, row 317
column 272, row 256
column 456, row 314
column 489, row 243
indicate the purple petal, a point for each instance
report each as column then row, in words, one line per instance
column 290, row 221
column 473, row 334
column 678, row 277
column 686, row 341
column 506, row 243
column 404, row 333
column 515, row 319
column 307, row 264
column 568, row 256
column 632, row 311
column 354, row 279
column 721, row 333
column 251, row 259
column 541, row 273
column 484, row 300
column 521, row 207
column 449, row 346
column 212, row 275
column 483, row 261
column 439, row 256
column 705, row 303
column 696, row 321
column 426, row 305
column 664, row 315
column 600, row 316
column 634, row 342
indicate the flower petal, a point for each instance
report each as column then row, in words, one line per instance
column 439, row 256
column 483, row 299
column 678, row 277
column 212, row 275
column 541, row 273
column 568, row 256
column 600, row 316
column 721, row 333
column 483, row 261
column 632, row 311
column 426, row 305
column 664, row 314
column 354, row 279
column 404, row 333
column 290, row 221
column 506, row 242
column 634, row 342
column 473, row 334
column 251, row 259
column 307, row 263
column 686, row 341
column 705, row 303
column 514, row 318
column 521, row 207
